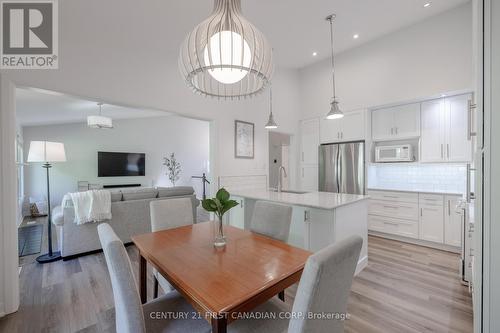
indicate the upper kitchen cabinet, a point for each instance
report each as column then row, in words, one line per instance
column 349, row 128
column 458, row 142
column 445, row 126
column 309, row 141
column 396, row 123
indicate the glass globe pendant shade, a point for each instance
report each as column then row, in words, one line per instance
column 226, row 56
column 225, row 47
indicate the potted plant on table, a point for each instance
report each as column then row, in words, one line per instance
column 219, row 205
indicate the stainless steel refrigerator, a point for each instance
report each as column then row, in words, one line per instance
column 342, row 167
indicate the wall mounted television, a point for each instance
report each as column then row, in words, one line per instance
column 112, row 164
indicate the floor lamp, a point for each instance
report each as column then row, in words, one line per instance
column 47, row 152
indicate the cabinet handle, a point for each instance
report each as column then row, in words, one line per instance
column 396, row 131
column 241, row 203
column 448, row 150
column 391, row 223
column 392, row 130
column 449, row 208
column 390, row 196
column 442, row 150
column 341, row 135
column 306, row 215
column 393, row 207
column 421, row 212
column 470, row 107
column 302, row 172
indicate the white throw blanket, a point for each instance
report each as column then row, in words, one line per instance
column 91, row 206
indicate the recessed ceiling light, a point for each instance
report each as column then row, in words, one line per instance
column 315, row 54
column 356, row 36
column 427, row 4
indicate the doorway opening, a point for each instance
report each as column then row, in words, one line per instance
column 279, row 156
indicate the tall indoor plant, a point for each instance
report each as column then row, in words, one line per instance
column 219, row 205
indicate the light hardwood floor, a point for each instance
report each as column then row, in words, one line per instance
column 405, row 288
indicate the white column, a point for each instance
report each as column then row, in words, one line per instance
column 491, row 222
column 9, row 276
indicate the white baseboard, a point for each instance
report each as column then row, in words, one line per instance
column 438, row 246
column 362, row 263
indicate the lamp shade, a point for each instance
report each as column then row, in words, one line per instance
column 45, row 151
column 99, row 122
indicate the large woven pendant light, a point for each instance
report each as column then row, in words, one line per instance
column 225, row 56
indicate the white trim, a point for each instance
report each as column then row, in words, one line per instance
column 9, row 262
column 437, row 246
column 362, row 263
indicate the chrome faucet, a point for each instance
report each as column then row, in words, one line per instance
column 280, row 183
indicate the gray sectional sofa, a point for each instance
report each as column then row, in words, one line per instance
column 130, row 216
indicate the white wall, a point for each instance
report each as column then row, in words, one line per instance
column 426, row 59
column 157, row 137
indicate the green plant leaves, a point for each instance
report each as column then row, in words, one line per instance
column 220, row 204
column 209, row 205
column 222, row 195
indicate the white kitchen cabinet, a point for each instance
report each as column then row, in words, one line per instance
column 432, row 139
column 444, row 126
column 309, row 177
column 349, row 128
column 428, row 217
column 431, row 223
column 458, row 146
column 237, row 213
column 309, row 141
column 330, row 130
column 452, row 222
column 353, row 126
column 396, row 123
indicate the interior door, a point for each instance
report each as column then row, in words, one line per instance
column 432, row 147
column 458, row 147
column 329, row 168
column 352, row 168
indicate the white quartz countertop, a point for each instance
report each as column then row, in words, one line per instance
column 322, row 200
column 415, row 190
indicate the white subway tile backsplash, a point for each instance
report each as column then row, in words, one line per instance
column 423, row 177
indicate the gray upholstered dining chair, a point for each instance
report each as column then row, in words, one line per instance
column 323, row 289
column 168, row 214
column 272, row 220
column 130, row 315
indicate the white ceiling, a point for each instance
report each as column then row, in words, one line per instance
column 297, row 28
column 35, row 107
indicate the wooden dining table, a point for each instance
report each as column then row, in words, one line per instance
column 220, row 283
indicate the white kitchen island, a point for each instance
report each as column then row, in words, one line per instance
column 319, row 218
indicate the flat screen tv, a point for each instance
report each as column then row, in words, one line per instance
column 111, row 164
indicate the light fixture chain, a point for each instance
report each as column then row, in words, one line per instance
column 333, row 56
